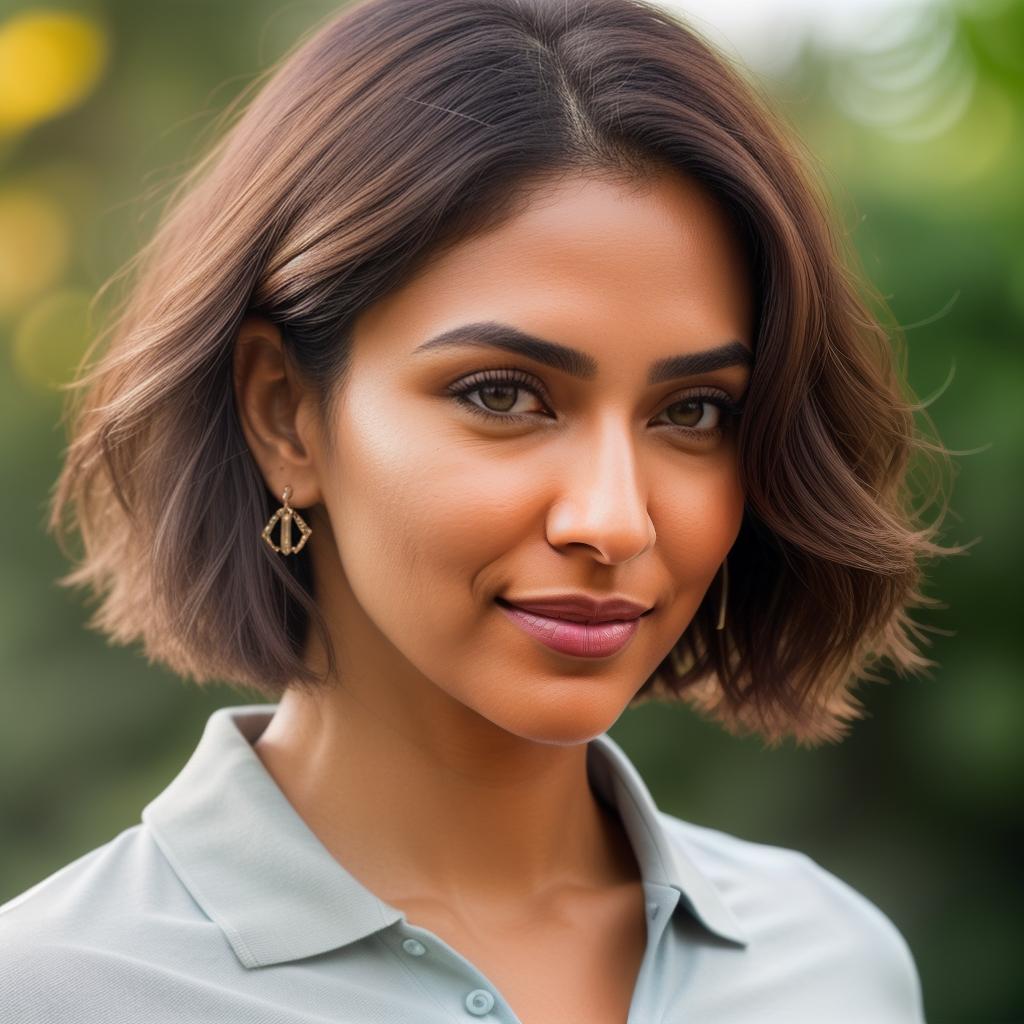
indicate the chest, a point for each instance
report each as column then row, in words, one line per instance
column 578, row 965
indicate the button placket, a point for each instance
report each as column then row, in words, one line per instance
column 479, row 1002
column 445, row 965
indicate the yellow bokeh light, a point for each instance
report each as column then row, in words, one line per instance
column 35, row 244
column 49, row 61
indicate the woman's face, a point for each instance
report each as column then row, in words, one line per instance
column 586, row 477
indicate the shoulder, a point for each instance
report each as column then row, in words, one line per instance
column 119, row 882
column 796, row 911
column 72, row 942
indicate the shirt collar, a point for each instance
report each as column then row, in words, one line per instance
column 258, row 871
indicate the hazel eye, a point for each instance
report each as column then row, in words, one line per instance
column 499, row 398
column 694, row 412
column 499, row 391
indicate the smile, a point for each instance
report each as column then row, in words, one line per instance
column 579, row 639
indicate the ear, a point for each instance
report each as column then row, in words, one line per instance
column 275, row 410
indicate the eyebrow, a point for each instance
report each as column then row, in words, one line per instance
column 489, row 334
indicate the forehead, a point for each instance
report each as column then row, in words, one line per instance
column 586, row 259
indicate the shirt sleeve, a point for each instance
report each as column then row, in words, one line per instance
column 880, row 957
column 31, row 990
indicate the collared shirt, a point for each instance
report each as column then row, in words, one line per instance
column 222, row 906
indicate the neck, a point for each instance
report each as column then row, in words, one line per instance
column 442, row 805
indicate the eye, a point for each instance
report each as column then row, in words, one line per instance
column 702, row 410
column 498, row 388
column 705, row 412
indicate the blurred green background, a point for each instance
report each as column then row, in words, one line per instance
column 914, row 113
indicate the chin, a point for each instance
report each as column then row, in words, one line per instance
column 563, row 719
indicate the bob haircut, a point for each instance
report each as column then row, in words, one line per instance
column 397, row 128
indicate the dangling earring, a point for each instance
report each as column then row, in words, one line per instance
column 723, row 594
column 286, row 514
column 682, row 665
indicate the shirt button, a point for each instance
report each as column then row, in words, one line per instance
column 414, row 947
column 479, row 1002
column 652, row 909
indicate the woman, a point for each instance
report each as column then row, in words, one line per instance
column 497, row 370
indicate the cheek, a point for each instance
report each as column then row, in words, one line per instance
column 697, row 514
column 411, row 505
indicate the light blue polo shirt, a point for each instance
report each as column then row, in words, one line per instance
column 223, row 907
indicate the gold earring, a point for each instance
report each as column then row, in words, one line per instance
column 286, row 514
column 683, row 665
column 723, row 595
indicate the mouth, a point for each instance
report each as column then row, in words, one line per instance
column 580, row 639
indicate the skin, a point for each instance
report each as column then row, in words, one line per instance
column 446, row 770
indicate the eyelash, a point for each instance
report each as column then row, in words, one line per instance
column 510, row 376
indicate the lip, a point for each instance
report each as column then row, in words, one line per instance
column 579, row 639
column 580, row 607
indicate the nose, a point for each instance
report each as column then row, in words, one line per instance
column 602, row 502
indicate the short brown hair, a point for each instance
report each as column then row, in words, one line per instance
column 399, row 127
